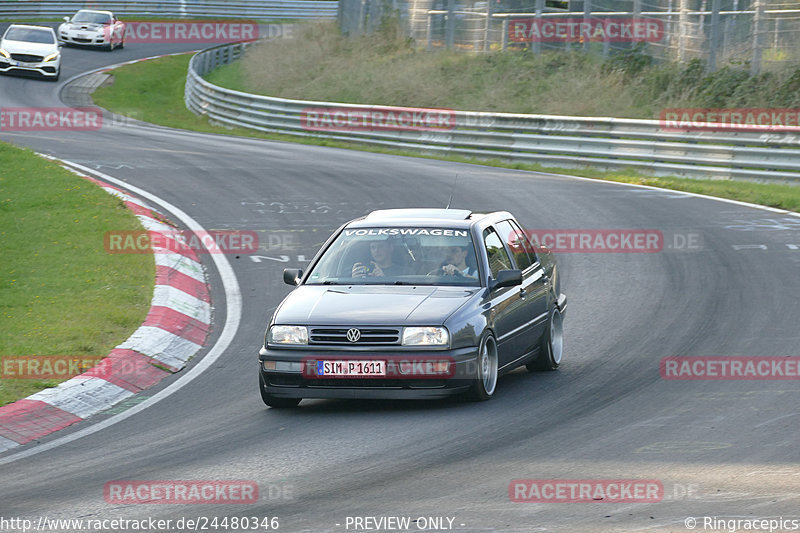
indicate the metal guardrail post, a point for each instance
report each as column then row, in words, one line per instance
column 713, row 48
column 587, row 18
column 758, row 29
column 537, row 45
column 450, row 28
column 683, row 30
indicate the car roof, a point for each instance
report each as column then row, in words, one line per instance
column 429, row 217
column 94, row 11
column 31, row 26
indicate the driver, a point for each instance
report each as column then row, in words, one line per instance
column 382, row 263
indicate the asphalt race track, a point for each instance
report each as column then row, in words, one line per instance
column 726, row 448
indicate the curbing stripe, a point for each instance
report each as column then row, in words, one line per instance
column 7, row 444
column 161, row 345
column 172, row 297
column 179, row 280
column 178, row 323
column 139, row 209
column 26, row 420
column 83, row 396
column 182, row 264
column 130, row 370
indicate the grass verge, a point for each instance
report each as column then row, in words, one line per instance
column 153, row 91
column 61, row 293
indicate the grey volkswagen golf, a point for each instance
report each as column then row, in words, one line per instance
column 414, row 303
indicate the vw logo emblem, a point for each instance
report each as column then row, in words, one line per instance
column 353, row 335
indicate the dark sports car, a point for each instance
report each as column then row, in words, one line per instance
column 414, row 303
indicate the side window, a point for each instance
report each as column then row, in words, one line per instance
column 517, row 242
column 498, row 257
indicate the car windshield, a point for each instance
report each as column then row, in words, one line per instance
column 398, row 256
column 91, row 18
column 30, row 35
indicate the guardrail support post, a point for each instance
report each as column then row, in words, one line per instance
column 758, row 29
column 713, row 48
column 450, row 28
column 683, row 30
column 587, row 18
column 537, row 46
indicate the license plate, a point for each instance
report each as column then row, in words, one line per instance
column 83, row 36
column 351, row 368
column 23, row 64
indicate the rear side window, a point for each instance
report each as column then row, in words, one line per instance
column 498, row 257
column 520, row 248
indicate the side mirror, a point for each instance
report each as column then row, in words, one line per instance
column 291, row 276
column 506, row 278
column 66, row 19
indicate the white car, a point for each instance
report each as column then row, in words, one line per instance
column 30, row 49
column 93, row 28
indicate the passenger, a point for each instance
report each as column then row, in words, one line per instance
column 382, row 263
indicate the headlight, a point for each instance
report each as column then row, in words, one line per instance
column 425, row 336
column 51, row 57
column 287, row 335
column 4, row 54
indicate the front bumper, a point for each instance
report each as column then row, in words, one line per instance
column 302, row 381
column 45, row 68
column 89, row 40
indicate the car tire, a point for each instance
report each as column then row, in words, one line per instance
column 272, row 401
column 58, row 75
column 485, row 381
column 552, row 344
column 122, row 43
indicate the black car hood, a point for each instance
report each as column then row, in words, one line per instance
column 381, row 305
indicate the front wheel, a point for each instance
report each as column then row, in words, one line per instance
column 552, row 345
column 272, row 401
column 486, row 375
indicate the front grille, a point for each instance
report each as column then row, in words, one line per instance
column 27, row 58
column 81, row 40
column 369, row 336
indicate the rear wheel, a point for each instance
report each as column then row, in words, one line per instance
column 272, row 401
column 552, row 346
column 486, row 377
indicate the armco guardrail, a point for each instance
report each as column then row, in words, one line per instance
column 547, row 140
column 258, row 9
